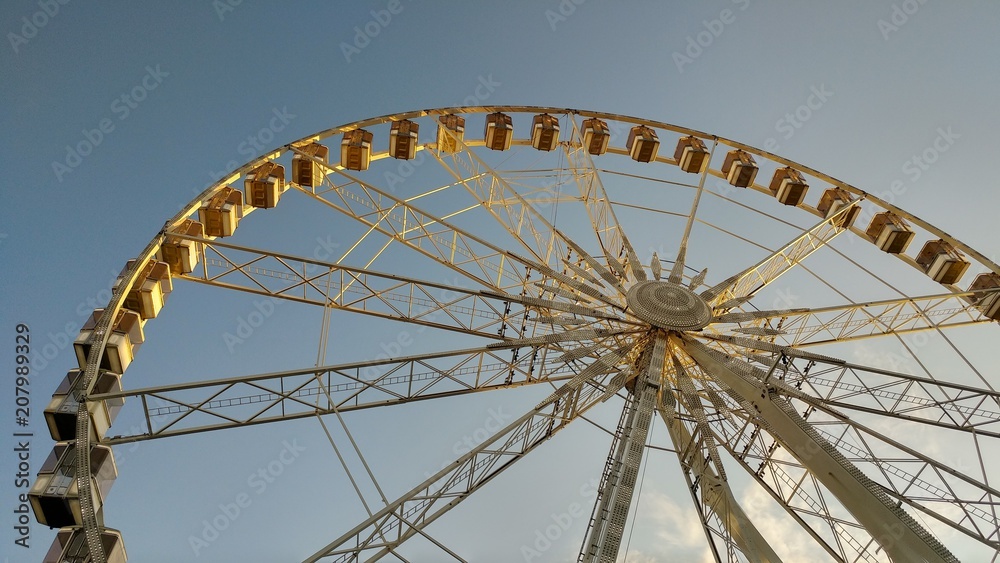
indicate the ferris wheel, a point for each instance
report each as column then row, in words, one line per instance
column 786, row 330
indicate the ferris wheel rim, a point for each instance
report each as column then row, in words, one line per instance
column 116, row 303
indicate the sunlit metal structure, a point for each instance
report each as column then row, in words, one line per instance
column 740, row 386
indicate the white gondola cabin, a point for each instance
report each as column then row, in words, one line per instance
column 264, row 185
column 545, row 132
column 740, row 168
column 182, row 254
column 499, row 131
column 150, row 290
column 890, row 232
column 596, row 135
column 988, row 303
column 450, row 133
column 60, row 414
column 643, row 144
column 222, row 212
column 942, row 261
column 55, row 496
column 691, row 154
column 123, row 342
column 70, row 546
column 305, row 170
column 403, row 139
column 832, row 201
column 356, row 149
column 788, row 186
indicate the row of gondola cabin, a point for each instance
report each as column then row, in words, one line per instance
column 60, row 414
column 70, row 546
column 55, row 494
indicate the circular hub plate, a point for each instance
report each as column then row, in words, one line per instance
column 668, row 305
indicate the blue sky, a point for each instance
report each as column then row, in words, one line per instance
column 165, row 99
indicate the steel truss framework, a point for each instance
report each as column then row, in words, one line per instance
column 753, row 390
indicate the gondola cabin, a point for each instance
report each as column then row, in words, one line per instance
column 450, row 133
column 356, row 149
column 403, row 139
column 788, row 186
column 306, row 171
column 988, row 303
column 890, row 232
column 691, row 154
column 942, row 261
column 181, row 255
column 123, row 342
column 643, row 144
column 740, row 168
column 544, row 132
column 150, row 290
column 596, row 136
column 832, row 201
column 499, row 131
column 264, row 185
column 55, row 496
column 60, row 414
column 222, row 212
column 70, row 546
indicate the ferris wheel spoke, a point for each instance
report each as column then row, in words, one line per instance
column 824, row 325
column 791, row 486
column 210, row 405
column 724, row 521
column 752, row 444
column 953, row 406
column 747, row 283
column 428, row 234
column 428, row 501
column 905, row 473
column 516, row 214
column 610, row 236
column 925, row 484
column 507, row 206
column 487, row 313
column 899, row 535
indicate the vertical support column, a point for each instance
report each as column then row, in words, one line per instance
column 618, row 485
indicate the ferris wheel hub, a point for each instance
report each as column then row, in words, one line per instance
column 668, row 305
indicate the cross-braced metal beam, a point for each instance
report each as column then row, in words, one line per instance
column 902, row 538
column 824, row 325
column 748, row 282
column 428, row 501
